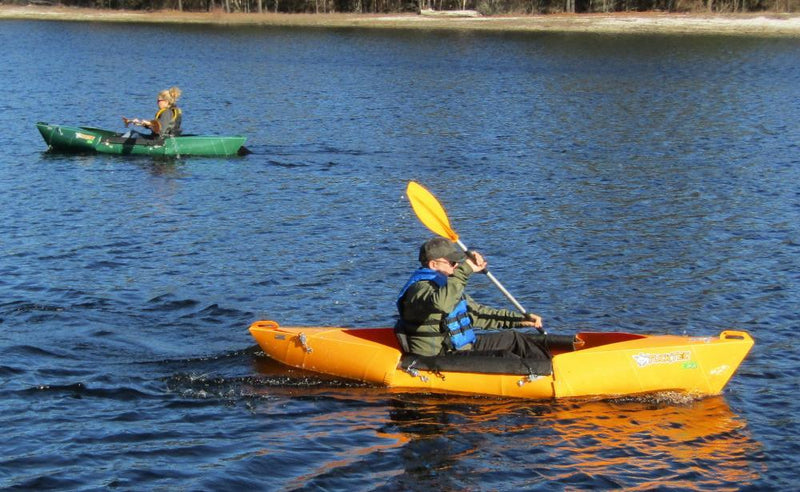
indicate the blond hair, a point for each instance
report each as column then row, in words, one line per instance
column 170, row 95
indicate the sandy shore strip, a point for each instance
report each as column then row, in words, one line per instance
column 620, row 23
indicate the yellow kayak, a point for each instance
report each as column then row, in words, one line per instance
column 586, row 365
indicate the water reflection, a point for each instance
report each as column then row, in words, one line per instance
column 454, row 442
column 664, row 441
column 156, row 165
column 166, row 167
column 659, row 441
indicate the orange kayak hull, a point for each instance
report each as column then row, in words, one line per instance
column 606, row 365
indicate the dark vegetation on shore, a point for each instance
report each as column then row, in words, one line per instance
column 486, row 7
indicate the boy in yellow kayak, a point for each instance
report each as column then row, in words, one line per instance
column 437, row 317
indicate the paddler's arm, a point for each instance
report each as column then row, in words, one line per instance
column 487, row 318
column 137, row 122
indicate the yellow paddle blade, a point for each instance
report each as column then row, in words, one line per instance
column 429, row 211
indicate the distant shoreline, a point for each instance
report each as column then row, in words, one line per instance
column 763, row 24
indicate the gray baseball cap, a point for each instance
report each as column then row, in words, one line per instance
column 439, row 247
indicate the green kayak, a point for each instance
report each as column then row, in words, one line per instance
column 88, row 139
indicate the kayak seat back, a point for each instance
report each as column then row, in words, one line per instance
column 478, row 364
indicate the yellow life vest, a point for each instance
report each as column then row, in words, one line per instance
column 176, row 117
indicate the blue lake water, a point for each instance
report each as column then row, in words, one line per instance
column 638, row 183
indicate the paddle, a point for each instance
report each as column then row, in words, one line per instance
column 432, row 215
column 153, row 125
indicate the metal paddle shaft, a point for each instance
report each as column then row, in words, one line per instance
column 433, row 216
column 496, row 282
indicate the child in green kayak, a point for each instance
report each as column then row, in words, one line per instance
column 167, row 121
column 437, row 317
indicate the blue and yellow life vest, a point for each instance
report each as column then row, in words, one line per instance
column 457, row 325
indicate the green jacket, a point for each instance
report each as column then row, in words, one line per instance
column 424, row 305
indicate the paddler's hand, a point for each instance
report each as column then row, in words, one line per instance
column 476, row 261
column 136, row 122
column 532, row 320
